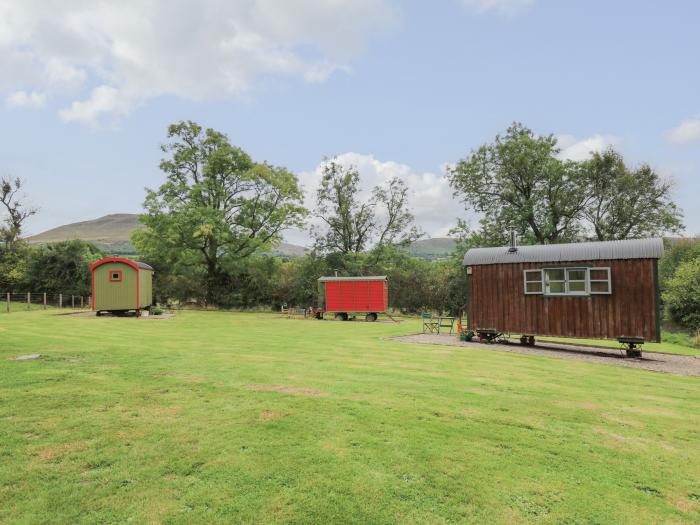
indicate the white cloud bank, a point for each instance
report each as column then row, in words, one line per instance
column 126, row 52
column 430, row 198
column 687, row 131
column 501, row 7
column 578, row 150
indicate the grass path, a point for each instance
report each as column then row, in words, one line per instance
column 222, row 418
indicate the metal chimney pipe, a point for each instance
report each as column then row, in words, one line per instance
column 513, row 242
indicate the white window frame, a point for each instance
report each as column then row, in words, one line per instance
column 584, row 280
column 608, row 280
column 548, row 281
column 526, row 281
column 567, row 287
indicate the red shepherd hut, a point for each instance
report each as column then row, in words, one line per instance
column 348, row 296
column 602, row 290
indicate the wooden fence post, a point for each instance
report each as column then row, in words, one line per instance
column 44, row 300
column 60, row 300
column 81, row 302
column 72, row 301
column 29, row 300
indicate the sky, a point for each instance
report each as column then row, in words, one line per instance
column 87, row 89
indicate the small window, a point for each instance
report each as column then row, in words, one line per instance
column 555, row 281
column 600, row 280
column 576, row 280
column 115, row 276
column 533, row 282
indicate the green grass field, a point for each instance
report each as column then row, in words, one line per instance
column 225, row 418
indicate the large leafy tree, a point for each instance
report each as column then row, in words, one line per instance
column 216, row 207
column 352, row 224
column 627, row 203
column 518, row 183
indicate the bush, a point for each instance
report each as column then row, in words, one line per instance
column 682, row 295
column 156, row 310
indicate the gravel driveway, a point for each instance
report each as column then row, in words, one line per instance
column 657, row 362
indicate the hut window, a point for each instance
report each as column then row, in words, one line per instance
column 555, row 280
column 533, row 281
column 576, row 280
column 115, row 276
column 599, row 280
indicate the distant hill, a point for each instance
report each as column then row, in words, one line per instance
column 431, row 249
column 112, row 234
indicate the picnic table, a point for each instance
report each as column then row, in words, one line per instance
column 446, row 321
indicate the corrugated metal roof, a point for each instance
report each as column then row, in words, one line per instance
column 581, row 251
column 143, row 265
column 368, row 278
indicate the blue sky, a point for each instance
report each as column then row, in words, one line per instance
column 397, row 88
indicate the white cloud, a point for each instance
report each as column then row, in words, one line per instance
column 430, row 199
column 134, row 50
column 574, row 149
column 501, row 7
column 22, row 99
column 687, row 131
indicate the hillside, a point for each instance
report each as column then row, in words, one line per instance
column 431, row 249
column 112, row 234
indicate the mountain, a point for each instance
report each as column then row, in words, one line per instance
column 431, row 249
column 112, row 234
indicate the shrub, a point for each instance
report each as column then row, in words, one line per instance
column 157, row 310
column 682, row 295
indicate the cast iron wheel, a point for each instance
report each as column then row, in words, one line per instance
column 341, row 316
column 370, row 318
column 531, row 340
column 523, row 340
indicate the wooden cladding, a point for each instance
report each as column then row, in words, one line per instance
column 497, row 299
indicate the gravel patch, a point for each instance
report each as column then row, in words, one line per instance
column 654, row 361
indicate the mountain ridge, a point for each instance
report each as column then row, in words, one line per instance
column 112, row 234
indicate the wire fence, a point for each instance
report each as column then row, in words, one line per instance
column 22, row 302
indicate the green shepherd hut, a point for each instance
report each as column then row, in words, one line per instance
column 120, row 285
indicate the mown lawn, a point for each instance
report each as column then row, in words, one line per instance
column 223, row 418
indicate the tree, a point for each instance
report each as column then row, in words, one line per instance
column 352, row 225
column 625, row 203
column 682, row 295
column 17, row 213
column 675, row 254
column 216, row 207
column 62, row 267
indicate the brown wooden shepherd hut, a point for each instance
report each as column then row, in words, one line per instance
column 602, row 290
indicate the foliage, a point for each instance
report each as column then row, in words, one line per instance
column 17, row 213
column 675, row 254
column 352, row 225
column 682, row 295
column 216, row 207
column 625, row 203
column 62, row 267
column 518, row 183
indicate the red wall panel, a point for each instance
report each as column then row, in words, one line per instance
column 357, row 296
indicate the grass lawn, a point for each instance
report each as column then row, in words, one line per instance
column 222, row 418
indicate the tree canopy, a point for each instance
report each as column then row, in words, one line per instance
column 216, row 207
column 519, row 182
column 352, row 224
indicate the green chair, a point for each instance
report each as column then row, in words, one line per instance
column 430, row 325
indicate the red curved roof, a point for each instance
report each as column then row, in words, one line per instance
column 135, row 265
